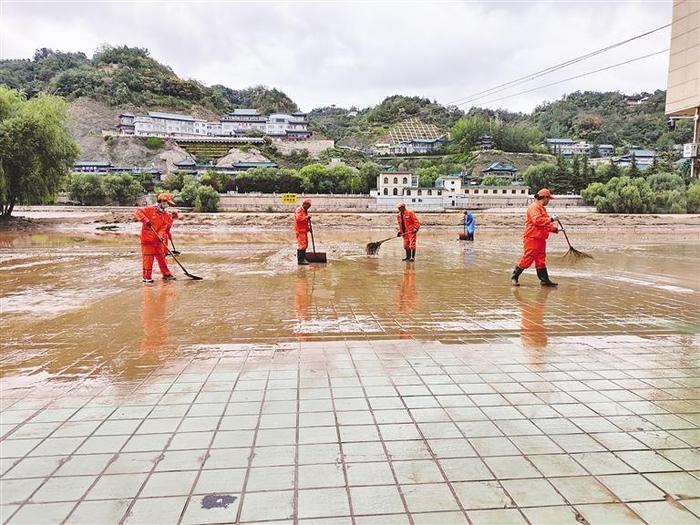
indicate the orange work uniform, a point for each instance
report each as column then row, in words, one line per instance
column 301, row 227
column 538, row 226
column 408, row 225
column 151, row 245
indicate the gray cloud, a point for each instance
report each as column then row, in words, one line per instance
column 356, row 53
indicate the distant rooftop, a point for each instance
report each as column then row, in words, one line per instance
column 500, row 166
column 171, row 116
column 559, row 141
column 245, row 111
column 95, row 163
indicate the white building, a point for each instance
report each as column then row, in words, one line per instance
column 448, row 193
column 157, row 124
column 237, row 123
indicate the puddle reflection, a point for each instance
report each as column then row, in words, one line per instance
column 158, row 302
column 533, row 331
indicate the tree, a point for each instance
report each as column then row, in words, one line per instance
column 428, row 176
column 623, row 195
column 315, row 178
column 577, row 183
column 87, row 189
column 366, row 179
column 633, row 170
column 561, row 181
column 122, row 189
column 693, row 197
column 491, row 180
column 207, row 199
column 36, row 148
column 539, row 176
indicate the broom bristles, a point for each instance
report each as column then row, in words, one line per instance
column 372, row 248
column 576, row 255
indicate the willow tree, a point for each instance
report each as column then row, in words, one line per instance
column 36, row 149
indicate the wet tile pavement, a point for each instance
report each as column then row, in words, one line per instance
column 589, row 430
column 366, row 392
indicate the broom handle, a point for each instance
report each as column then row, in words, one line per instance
column 389, row 238
column 311, row 231
column 564, row 232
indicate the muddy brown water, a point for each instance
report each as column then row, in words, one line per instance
column 73, row 306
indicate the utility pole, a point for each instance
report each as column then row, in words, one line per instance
column 694, row 160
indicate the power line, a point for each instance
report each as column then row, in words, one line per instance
column 577, row 76
column 551, row 69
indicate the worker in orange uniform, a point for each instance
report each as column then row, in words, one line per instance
column 408, row 228
column 538, row 225
column 302, row 227
column 155, row 233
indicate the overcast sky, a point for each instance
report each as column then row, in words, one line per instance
column 356, row 53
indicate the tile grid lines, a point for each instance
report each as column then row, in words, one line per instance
column 251, row 457
column 188, row 501
column 295, row 501
column 432, row 452
column 556, row 489
column 340, row 443
column 69, row 456
column 384, row 447
column 116, row 455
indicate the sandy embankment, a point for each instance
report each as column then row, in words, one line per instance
column 492, row 222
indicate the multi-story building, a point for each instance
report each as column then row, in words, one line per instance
column 501, row 170
column 448, row 192
column 100, row 167
column 484, row 142
column 606, row 150
column 237, row 123
column 567, row 148
column 643, row 158
column 411, row 137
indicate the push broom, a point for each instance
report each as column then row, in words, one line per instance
column 573, row 253
column 372, row 248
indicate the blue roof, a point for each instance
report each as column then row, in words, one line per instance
column 254, row 164
column 500, row 166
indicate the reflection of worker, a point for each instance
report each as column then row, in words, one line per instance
column 302, row 296
column 155, row 232
column 469, row 225
column 154, row 320
column 533, row 333
column 302, row 226
column 408, row 227
column 408, row 293
column 538, row 226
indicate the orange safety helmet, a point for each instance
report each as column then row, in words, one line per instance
column 165, row 197
column 544, row 192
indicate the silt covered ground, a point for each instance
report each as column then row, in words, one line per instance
column 364, row 391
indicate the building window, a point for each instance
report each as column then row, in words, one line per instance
column 430, row 192
column 405, row 180
column 439, row 192
column 396, row 180
column 522, row 191
column 386, row 191
column 420, row 192
column 504, row 191
column 486, row 191
column 386, row 180
column 512, row 191
column 476, row 191
column 396, row 192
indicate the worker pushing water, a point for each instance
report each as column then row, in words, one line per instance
column 538, row 225
column 408, row 229
column 302, row 225
column 469, row 225
column 155, row 232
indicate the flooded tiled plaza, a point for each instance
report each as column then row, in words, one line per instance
column 366, row 391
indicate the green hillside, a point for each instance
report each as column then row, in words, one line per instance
column 129, row 76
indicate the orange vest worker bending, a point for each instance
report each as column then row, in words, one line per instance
column 408, row 227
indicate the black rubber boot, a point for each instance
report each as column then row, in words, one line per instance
column 408, row 255
column 544, row 278
column 413, row 255
column 516, row 275
column 301, row 258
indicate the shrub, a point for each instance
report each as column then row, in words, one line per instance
column 693, row 198
column 495, row 181
column 122, row 189
column 625, row 195
column 154, row 143
column 592, row 191
column 87, row 189
column 207, row 199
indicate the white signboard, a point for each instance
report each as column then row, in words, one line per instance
column 690, row 150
